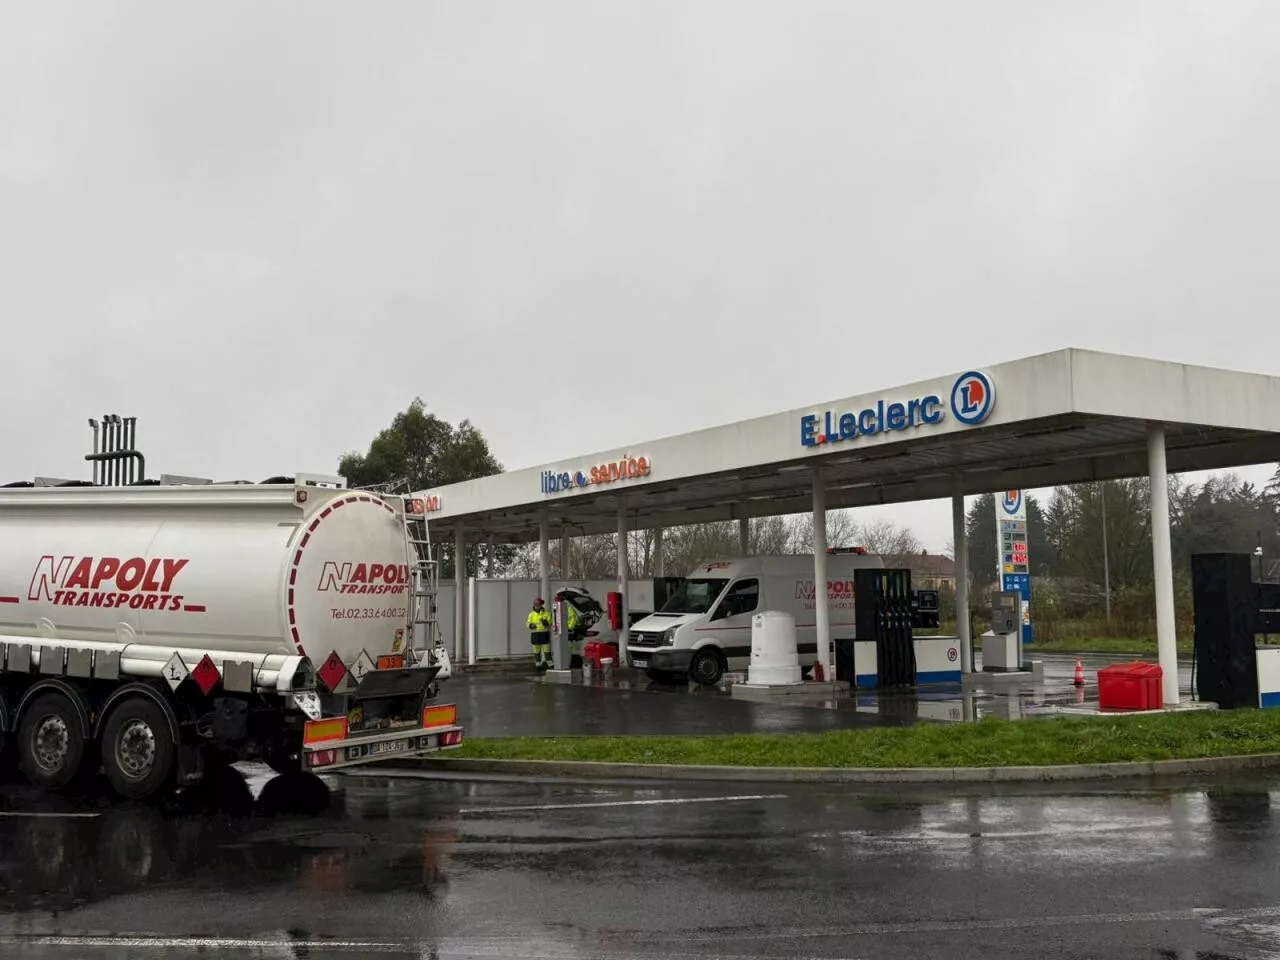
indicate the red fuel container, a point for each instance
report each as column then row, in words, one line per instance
column 1131, row 686
column 596, row 651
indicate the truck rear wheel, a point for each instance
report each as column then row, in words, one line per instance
column 51, row 742
column 6, row 736
column 284, row 754
column 137, row 749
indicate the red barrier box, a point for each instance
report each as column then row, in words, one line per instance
column 596, row 651
column 1131, row 686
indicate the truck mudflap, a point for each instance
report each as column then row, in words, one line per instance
column 389, row 676
column 328, row 744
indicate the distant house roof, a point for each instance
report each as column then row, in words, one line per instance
column 931, row 565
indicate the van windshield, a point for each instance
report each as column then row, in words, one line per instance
column 694, row 596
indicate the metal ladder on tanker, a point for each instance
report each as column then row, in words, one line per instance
column 423, row 577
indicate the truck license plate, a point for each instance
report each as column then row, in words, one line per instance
column 639, row 663
column 384, row 748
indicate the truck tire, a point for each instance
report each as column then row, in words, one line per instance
column 138, row 751
column 295, row 793
column 284, row 755
column 6, row 737
column 707, row 667
column 51, row 742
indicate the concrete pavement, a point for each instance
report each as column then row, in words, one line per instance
column 494, row 705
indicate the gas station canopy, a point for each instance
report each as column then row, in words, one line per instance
column 1064, row 417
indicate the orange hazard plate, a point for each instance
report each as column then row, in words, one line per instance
column 391, row 661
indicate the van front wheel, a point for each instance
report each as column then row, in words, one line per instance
column 707, row 667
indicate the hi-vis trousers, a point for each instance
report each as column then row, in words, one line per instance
column 541, row 640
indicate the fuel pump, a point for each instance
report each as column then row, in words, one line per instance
column 1002, row 644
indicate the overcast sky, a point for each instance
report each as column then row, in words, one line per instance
column 264, row 228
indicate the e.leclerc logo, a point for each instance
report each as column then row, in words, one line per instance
column 1011, row 502
column 627, row 468
column 972, row 398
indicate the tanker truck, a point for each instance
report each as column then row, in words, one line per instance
column 150, row 629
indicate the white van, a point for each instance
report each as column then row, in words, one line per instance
column 704, row 628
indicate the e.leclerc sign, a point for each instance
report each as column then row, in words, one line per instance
column 973, row 396
column 627, row 468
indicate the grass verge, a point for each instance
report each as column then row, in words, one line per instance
column 988, row 743
column 1137, row 646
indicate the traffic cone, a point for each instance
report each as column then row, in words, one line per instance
column 1079, row 677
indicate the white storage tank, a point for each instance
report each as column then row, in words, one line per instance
column 255, row 569
column 774, row 659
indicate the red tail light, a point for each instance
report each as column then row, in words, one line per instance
column 322, row 758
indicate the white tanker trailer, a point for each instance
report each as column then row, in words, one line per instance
column 150, row 629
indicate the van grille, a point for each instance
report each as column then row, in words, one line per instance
column 646, row 639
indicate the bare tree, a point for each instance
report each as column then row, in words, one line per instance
column 686, row 547
column 595, row 557
column 524, row 563
column 893, row 543
column 592, row 557
column 841, row 531
column 771, row 536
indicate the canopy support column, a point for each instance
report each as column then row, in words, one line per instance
column 1162, row 565
column 821, row 599
column 544, row 559
column 624, row 633
column 459, row 590
column 960, row 536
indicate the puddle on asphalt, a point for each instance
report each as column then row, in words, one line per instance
column 942, row 703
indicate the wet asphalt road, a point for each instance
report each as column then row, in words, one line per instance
column 411, row 867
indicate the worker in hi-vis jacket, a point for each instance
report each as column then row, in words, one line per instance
column 540, row 634
column 576, row 633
